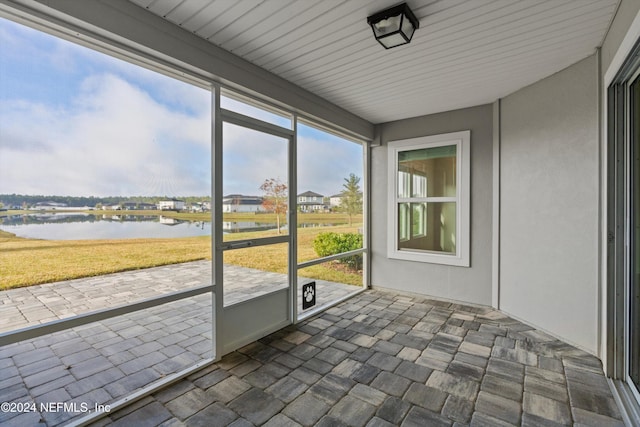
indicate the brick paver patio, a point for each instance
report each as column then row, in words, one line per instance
column 378, row 359
column 381, row 359
column 33, row 305
column 104, row 361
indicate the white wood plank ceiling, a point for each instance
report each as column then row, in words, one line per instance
column 466, row 52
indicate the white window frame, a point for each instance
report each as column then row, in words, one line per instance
column 462, row 141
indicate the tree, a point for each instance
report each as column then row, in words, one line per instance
column 351, row 196
column 275, row 198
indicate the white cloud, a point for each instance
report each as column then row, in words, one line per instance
column 251, row 157
column 324, row 163
column 114, row 140
column 131, row 131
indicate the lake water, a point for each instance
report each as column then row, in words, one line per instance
column 70, row 226
column 78, row 226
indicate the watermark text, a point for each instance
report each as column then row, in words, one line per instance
column 66, row 407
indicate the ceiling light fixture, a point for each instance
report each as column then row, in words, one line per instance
column 394, row 26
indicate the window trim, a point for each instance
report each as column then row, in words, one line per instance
column 462, row 141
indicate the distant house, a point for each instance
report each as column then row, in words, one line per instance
column 335, row 200
column 49, row 206
column 240, row 203
column 55, row 206
column 200, row 207
column 311, row 202
column 171, row 205
column 133, row 206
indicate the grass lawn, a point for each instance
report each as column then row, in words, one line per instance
column 274, row 257
column 25, row 262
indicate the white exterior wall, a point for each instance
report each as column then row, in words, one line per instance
column 549, row 204
column 310, row 199
column 241, row 208
column 470, row 284
column 170, row 204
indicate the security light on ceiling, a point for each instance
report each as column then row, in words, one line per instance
column 394, row 26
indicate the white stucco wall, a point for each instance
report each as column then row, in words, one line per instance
column 470, row 284
column 549, row 204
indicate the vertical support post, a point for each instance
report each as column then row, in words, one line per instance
column 366, row 215
column 495, row 253
column 293, row 221
column 619, row 226
column 216, row 221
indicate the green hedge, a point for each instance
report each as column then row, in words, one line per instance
column 329, row 243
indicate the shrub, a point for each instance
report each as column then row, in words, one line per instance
column 329, row 243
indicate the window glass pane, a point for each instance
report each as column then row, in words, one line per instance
column 404, row 182
column 634, row 301
column 255, row 271
column 264, row 114
column 403, row 221
column 333, row 280
column 418, row 219
column 90, row 367
column 439, row 222
column 430, row 172
column 254, row 183
column 330, row 194
column 105, row 172
column 429, row 199
column 418, row 186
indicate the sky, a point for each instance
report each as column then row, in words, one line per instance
column 76, row 122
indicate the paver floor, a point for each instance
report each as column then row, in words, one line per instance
column 382, row 359
column 104, row 361
column 39, row 304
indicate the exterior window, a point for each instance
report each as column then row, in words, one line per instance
column 429, row 182
column 403, row 222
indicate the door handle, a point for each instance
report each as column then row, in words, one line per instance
column 238, row 245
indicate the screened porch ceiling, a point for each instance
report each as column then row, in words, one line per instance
column 465, row 53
